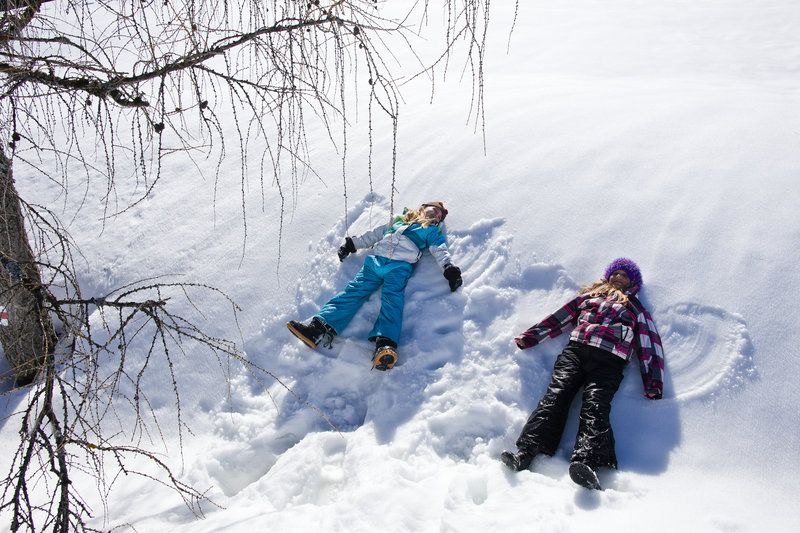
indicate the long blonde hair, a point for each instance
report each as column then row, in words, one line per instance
column 417, row 216
column 604, row 288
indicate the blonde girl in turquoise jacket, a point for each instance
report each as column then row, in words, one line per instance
column 395, row 247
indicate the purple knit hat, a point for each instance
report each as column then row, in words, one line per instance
column 627, row 266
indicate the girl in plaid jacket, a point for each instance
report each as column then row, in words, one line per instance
column 611, row 325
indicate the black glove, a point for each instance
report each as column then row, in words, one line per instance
column 653, row 389
column 346, row 249
column 453, row 275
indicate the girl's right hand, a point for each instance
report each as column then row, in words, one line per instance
column 346, row 249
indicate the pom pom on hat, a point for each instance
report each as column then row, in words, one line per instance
column 627, row 266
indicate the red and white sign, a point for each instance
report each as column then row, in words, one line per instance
column 3, row 316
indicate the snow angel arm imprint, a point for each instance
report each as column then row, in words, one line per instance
column 552, row 326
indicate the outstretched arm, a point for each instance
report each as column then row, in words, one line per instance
column 651, row 354
column 437, row 246
column 552, row 326
column 365, row 240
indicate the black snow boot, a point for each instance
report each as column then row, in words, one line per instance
column 312, row 332
column 385, row 354
column 584, row 475
column 517, row 461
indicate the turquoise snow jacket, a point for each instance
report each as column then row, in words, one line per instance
column 405, row 242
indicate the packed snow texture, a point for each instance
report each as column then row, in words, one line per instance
column 666, row 132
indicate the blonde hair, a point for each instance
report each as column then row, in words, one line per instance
column 417, row 216
column 604, row 288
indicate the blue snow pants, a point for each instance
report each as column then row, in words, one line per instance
column 377, row 271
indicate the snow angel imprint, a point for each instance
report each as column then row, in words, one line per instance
column 611, row 325
column 396, row 246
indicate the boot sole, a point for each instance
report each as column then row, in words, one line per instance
column 584, row 476
column 384, row 359
column 308, row 342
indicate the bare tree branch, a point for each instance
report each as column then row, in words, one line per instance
column 102, row 94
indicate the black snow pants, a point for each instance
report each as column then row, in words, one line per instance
column 599, row 373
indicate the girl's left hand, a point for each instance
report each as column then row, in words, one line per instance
column 453, row 276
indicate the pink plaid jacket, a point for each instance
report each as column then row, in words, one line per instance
column 621, row 329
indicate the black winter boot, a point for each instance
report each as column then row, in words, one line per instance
column 312, row 332
column 385, row 355
column 517, row 461
column 584, row 475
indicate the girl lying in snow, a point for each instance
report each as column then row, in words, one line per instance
column 395, row 248
column 611, row 325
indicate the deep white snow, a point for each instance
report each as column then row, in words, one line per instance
column 668, row 132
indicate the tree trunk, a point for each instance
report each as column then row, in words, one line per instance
column 26, row 331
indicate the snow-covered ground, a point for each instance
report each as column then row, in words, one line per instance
column 667, row 132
